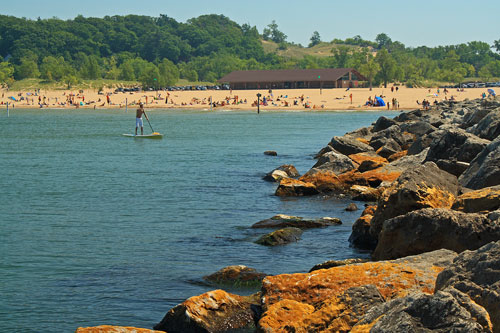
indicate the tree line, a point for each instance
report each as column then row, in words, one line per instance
column 157, row 51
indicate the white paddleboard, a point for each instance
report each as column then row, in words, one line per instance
column 145, row 136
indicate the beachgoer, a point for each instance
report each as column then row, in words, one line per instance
column 138, row 118
column 350, row 97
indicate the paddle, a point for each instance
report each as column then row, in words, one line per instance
column 155, row 133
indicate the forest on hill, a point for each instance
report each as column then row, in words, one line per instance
column 158, row 51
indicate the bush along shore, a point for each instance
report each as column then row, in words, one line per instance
column 432, row 224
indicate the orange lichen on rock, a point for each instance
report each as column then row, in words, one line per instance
column 323, row 181
column 114, row 329
column 393, row 279
column 432, row 197
column 361, row 157
column 363, row 140
column 369, row 210
column 294, row 187
column 485, row 199
column 283, row 313
column 397, row 156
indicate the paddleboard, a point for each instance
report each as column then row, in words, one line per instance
column 145, row 136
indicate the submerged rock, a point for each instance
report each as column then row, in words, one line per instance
column 281, row 221
column 280, row 237
column 214, row 311
column 270, row 153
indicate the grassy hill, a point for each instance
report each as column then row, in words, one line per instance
column 323, row 49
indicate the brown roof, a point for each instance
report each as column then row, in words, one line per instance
column 289, row 75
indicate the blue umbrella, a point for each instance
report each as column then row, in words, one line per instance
column 491, row 92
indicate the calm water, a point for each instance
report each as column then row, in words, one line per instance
column 97, row 228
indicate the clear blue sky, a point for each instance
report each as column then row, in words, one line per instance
column 414, row 23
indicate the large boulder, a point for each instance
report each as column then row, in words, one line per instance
column 335, row 314
column 282, row 221
column 214, row 311
column 417, row 128
column 280, row 237
column 335, row 162
column 382, row 123
column 484, row 170
column 361, row 237
column 456, row 144
column 473, row 117
column 389, row 148
column 431, row 229
column 395, row 133
column 395, row 278
column 477, row 274
column 446, row 311
column 489, row 126
column 485, row 199
column 348, row 145
column 423, row 141
column 423, row 186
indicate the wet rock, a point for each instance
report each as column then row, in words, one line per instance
column 236, row 275
column 280, row 237
column 336, row 314
column 351, row 207
column 283, row 171
column 270, row 153
column 337, row 263
column 484, row 170
column 423, row 186
column 430, row 229
column 334, row 162
column 445, row 311
column 114, row 329
column 214, row 311
column 485, row 199
column 477, row 274
column 348, row 145
column 292, row 187
column 393, row 279
column 282, row 221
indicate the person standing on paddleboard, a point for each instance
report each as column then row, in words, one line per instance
column 138, row 118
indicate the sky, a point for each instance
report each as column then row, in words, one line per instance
column 414, row 23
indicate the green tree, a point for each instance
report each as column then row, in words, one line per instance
column 6, row 72
column 387, row 66
column 169, row 73
column 127, row 71
column 315, row 39
column 272, row 32
column 370, row 70
column 341, row 55
column 55, row 68
column 383, row 41
column 149, row 76
column 28, row 68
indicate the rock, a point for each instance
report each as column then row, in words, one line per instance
column 324, row 150
column 473, row 117
column 397, row 156
column 334, row 162
column 389, row 148
column 365, row 193
column 236, row 275
column 348, row 145
column 270, row 153
column 114, row 329
column 382, row 123
column 214, row 311
column 336, row 314
column 369, row 165
column 455, row 144
column 393, row 279
column 337, row 263
column 489, row 126
column 280, row 237
column 361, row 237
column 417, row 128
column 454, row 167
column 293, row 187
column 423, row 186
column 484, row 170
column 394, row 132
column 283, row 171
column 422, row 142
column 351, row 207
column 410, row 161
column 485, row 199
column 363, row 132
column 431, row 229
column 477, row 274
column 445, row 311
column 281, row 221
column 368, row 156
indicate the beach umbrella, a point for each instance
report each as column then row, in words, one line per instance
column 380, row 101
column 491, row 92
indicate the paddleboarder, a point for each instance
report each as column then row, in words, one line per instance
column 138, row 118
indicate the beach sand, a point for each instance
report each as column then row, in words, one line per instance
column 315, row 99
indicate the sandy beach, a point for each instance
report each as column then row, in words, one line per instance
column 293, row 99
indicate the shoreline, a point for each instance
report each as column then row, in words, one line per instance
column 237, row 100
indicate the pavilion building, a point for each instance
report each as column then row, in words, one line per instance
column 325, row 78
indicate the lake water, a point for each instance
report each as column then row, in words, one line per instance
column 97, row 228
